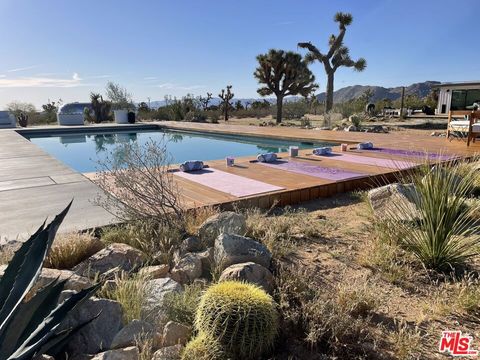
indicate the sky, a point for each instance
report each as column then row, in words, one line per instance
column 53, row 49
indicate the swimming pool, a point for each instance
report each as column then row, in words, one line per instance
column 83, row 151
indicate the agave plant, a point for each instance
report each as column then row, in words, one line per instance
column 31, row 328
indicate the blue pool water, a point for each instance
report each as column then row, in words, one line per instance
column 84, row 151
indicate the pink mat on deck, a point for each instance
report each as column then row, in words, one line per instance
column 232, row 184
column 365, row 160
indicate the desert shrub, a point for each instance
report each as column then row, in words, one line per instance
column 137, row 184
column 334, row 317
column 341, row 316
column 356, row 120
column 157, row 241
column 129, row 291
column 181, row 307
column 203, row 347
column 446, row 233
column 71, row 249
column 241, row 316
column 280, row 233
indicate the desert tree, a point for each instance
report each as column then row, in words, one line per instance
column 338, row 55
column 226, row 96
column 204, row 101
column 119, row 97
column 284, row 73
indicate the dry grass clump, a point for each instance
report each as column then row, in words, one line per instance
column 195, row 217
column 281, row 233
column 181, row 307
column 461, row 298
column 334, row 317
column 70, row 249
column 383, row 254
column 129, row 291
column 157, row 241
column 405, row 341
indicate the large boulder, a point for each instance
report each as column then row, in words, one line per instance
column 155, row 271
column 234, row 249
column 97, row 335
column 249, row 272
column 74, row 282
column 129, row 353
column 155, row 293
column 175, row 333
column 397, row 199
column 187, row 269
column 191, row 244
column 207, row 259
column 169, row 353
column 115, row 256
column 223, row 223
column 132, row 332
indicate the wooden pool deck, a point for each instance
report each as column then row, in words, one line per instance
column 34, row 185
column 298, row 187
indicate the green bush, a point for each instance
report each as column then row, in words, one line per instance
column 181, row 307
column 203, row 347
column 241, row 316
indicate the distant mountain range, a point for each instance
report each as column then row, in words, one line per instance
column 344, row 94
column 352, row 92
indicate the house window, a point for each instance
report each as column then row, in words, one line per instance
column 463, row 98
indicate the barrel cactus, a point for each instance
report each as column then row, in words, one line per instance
column 241, row 316
column 203, row 347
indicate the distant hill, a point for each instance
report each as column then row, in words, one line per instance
column 344, row 94
column 352, row 92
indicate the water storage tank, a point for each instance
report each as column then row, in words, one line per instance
column 121, row 116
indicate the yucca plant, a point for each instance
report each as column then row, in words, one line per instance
column 241, row 316
column 30, row 328
column 447, row 232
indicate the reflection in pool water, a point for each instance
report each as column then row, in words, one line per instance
column 84, row 151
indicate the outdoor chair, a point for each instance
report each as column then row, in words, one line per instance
column 463, row 123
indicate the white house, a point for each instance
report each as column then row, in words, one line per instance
column 457, row 96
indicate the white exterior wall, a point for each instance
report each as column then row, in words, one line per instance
column 445, row 95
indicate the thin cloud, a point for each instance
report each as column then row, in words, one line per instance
column 99, row 77
column 2, row 75
column 150, row 78
column 43, row 82
column 23, row 68
column 171, row 86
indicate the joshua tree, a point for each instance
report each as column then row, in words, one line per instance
column 337, row 55
column 226, row 96
column 101, row 108
column 284, row 73
column 205, row 100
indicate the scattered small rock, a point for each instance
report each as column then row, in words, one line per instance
column 156, row 271
column 155, row 292
column 129, row 353
column 74, row 282
column 131, row 333
column 233, row 249
column 169, row 353
column 191, row 244
column 249, row 272
column 188, row 268
column 224, row 223
column 121, row 256
column 175, row 333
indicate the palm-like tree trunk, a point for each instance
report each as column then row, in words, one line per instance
column 329, row 97
column 279, row 108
